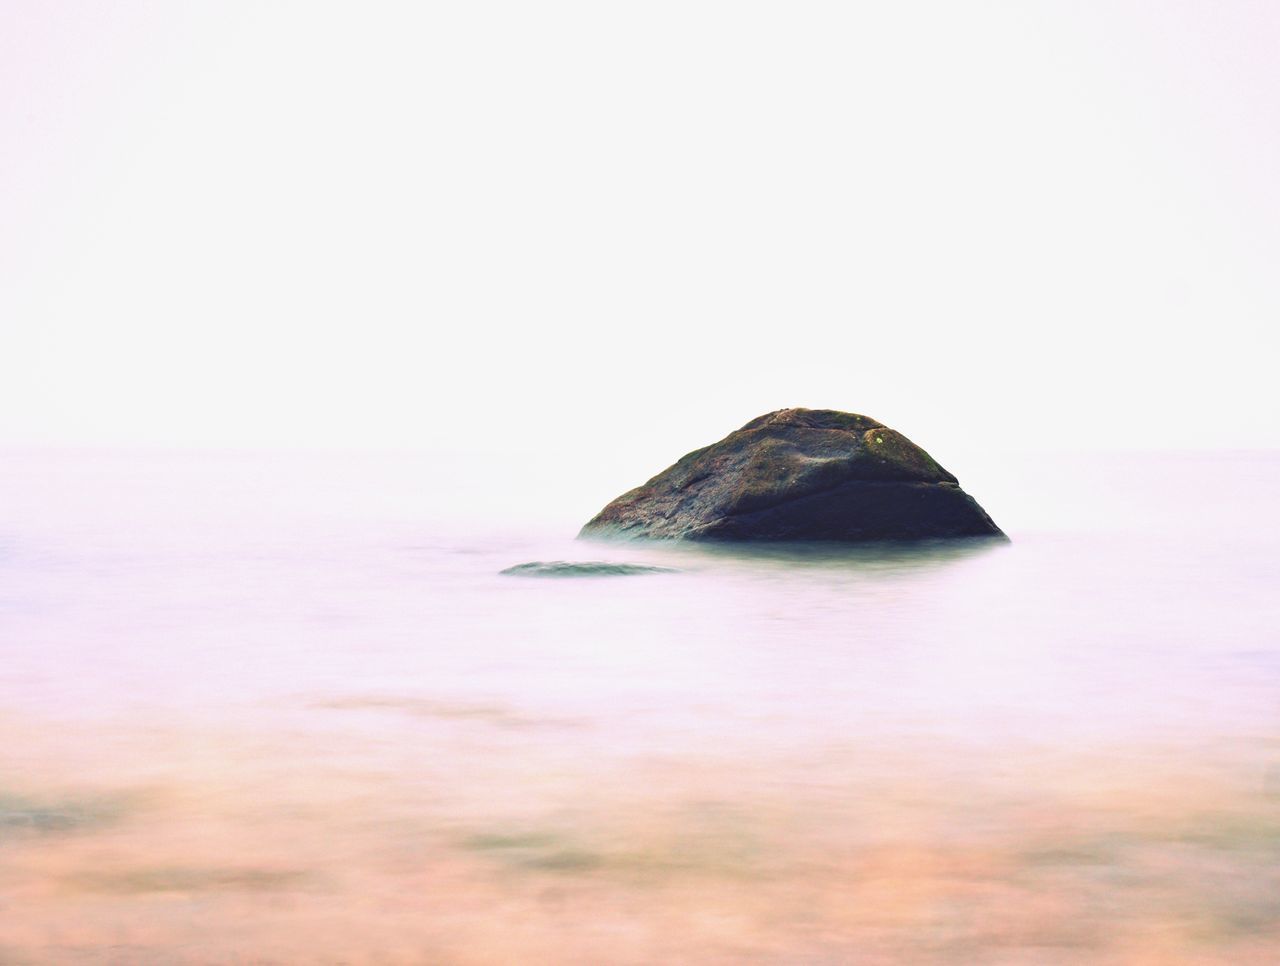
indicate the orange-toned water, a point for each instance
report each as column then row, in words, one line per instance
column 254, row 710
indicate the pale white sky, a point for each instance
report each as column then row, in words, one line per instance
column 597, row 228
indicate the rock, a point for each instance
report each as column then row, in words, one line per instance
column 590, row 568
column 800, row 474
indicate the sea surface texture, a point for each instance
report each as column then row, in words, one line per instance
column 344, row 710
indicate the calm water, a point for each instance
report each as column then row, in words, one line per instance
column 258, row 709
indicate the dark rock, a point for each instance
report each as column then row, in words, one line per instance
column 591, row 568
column 800, row 474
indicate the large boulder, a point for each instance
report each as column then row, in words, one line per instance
column 800, row 474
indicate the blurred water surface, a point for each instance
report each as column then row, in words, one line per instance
column 289, row 709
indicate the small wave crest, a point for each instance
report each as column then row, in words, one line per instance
column 591, row 568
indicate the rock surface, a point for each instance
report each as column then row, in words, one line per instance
column 800, row 474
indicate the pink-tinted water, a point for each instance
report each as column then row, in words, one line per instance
column 288, row 709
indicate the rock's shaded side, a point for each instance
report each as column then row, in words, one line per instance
column 800, row 474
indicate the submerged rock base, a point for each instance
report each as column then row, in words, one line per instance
column 589, row 568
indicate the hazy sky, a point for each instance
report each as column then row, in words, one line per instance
column 596, row 227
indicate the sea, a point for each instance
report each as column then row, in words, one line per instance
column 354, row 708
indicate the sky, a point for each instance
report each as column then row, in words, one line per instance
column 618, row 231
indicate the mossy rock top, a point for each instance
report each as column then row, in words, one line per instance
column 799, row 474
